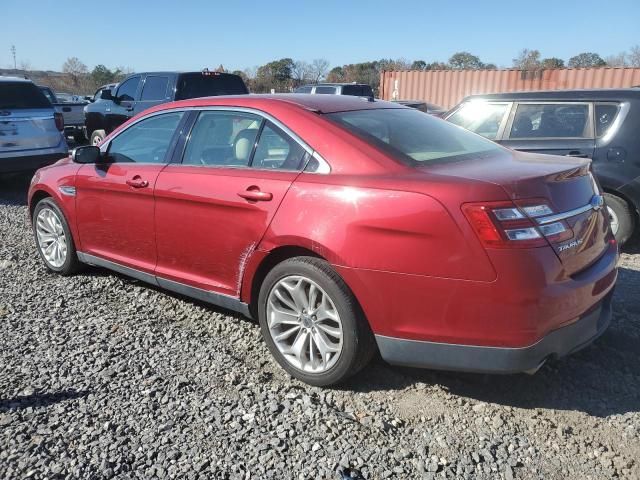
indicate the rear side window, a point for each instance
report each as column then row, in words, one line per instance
column 303, row 90
column 155, row 88
column 480, row 117
column 196, row 85
column 413, row 137
column 221, row 139
column 145, row 142
column 357, row 90
column 277, row 150
column 326, row 90
column 606, row 114
column 21, row 95
column 551, row 121
column 127, row 91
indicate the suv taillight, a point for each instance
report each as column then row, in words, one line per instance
column 57, row 116
column 507, row 225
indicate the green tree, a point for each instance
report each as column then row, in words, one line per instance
column 586, row 59
column 465, row 61
column 275, row 75
column 438, row 66
column 527, row 60
column 552, row 62
column 101, row 75
column 418, row 65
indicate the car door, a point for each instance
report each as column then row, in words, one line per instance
column 122, row 107
column 557, row 128
column 114, row 199
column 215, row 203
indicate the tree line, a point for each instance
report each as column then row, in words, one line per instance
column 285, row 74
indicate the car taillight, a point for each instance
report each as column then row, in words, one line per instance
column 511, row 225
column 59, row 119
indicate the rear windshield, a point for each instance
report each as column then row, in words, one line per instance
column 21, row 95
column 413, row 137
column 195, row 85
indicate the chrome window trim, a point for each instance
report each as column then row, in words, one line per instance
column 326, row 168
column 564, row 215
column 615, row 126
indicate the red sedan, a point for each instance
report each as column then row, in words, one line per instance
column 345, row 226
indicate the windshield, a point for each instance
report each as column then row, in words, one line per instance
column 412, row 136
column 19, row 95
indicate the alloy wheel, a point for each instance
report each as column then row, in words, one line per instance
column 52, row 240
column 304, row 324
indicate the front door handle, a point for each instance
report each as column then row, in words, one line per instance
column 137, row 182
column 576, row 153
column 253, row 194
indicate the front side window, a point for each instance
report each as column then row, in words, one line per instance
column 480, row 117
column 277, row 150
column 550, row 121
column 145, row 142
column 155, row 88
column 413, row 137
column 127, row 91
column 606, row 113
column 222, row 139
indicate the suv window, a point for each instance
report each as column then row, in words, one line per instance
column 326, row 90
column 303, row 90
column 551, row 121
column 222, row 139
column 155, row 88
column 276, row 149
column 606, row 114
column 145, row 142
column 483, row 118
column 48, row 93
column 357, row 90
column 21, row 95
column 195, row 85
column 127, row 90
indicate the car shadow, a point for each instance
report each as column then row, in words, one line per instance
column 600, row 380
column 40, row 399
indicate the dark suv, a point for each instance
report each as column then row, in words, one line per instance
column 140, row 91
column 603, row 125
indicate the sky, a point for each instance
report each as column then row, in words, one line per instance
column 149, row 35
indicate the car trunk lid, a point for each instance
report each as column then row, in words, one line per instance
column 27, row 129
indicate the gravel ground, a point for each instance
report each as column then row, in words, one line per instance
column 105, row 377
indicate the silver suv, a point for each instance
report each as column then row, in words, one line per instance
column 30, row 129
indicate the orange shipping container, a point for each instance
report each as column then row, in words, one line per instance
column 448, row 87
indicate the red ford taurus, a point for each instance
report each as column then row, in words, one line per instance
column 345, row 226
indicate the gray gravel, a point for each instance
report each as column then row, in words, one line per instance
column 105, row 377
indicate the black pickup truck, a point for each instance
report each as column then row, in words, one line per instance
column 140, row 91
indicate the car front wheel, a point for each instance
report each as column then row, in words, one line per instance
column 312, row 323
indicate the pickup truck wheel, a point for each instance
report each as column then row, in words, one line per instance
column 622, row 218
column 97, row 136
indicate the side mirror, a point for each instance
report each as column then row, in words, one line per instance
column 107, row 95
column 87, row 154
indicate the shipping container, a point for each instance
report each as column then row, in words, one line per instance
column 448, row 87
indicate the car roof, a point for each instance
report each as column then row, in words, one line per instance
column 14, row 79
column 586, row 94
column 316, row 103
column 335, row 84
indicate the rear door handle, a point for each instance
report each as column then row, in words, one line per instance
column 253, row 194
column 137, row 182
column 576, row 153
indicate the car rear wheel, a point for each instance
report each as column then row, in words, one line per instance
column 312, row 323
column 53, row 238
column 622, row 218
column 97, row 136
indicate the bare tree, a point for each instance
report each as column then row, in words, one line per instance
column 75, row 69
column 634, row 56
column 527, row 60
column 301, row 72
column 619, row 60
column 319, row 69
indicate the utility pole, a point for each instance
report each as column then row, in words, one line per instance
column 13, row 52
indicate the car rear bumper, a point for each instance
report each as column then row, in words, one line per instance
column 34, row 159
column 485, row 359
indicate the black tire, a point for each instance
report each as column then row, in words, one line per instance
column 71, row 264
column 358, row 341
column 625, row 215
column 97, row 136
